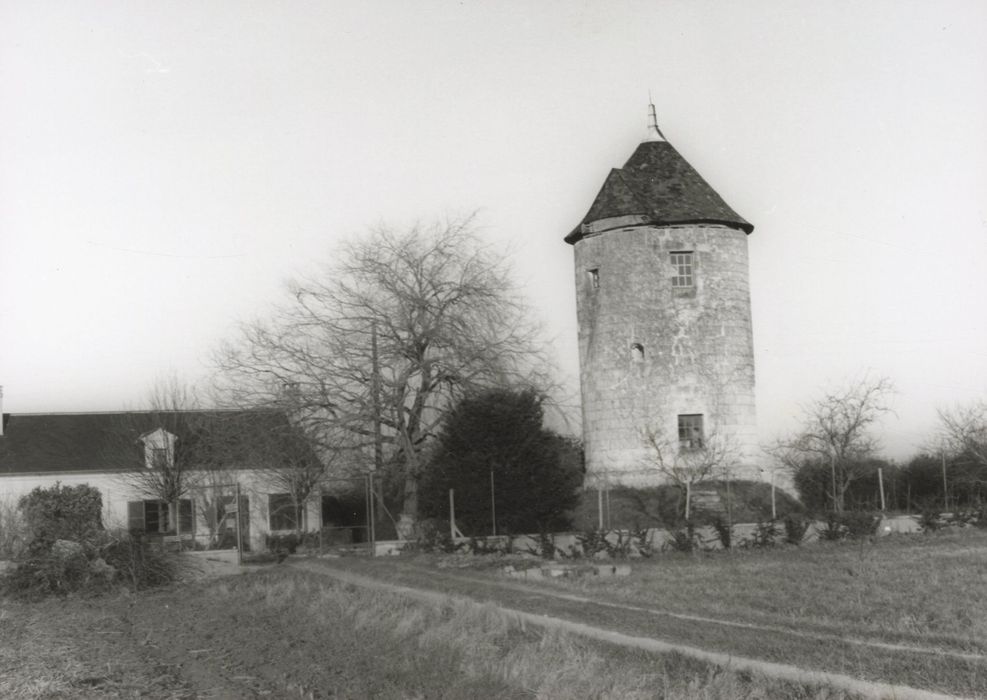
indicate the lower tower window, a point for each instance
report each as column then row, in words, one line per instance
column 691, row 431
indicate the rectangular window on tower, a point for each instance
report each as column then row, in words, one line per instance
column 691, row 431
column 682, row 276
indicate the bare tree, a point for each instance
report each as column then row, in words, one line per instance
column 288, row 463
column 383, row 341
column 963, row 434
column 964, row 430
column 687, row 462
column 144, row 447
column 836, row 428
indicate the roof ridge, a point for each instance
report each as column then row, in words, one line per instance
column 138, row 411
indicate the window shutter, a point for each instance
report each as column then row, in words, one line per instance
column 185, row 516
column 135, row 515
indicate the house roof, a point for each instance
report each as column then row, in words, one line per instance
column 55, row 442
column 657, row 183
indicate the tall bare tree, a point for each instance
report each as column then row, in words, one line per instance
column 963, row 433
column 964, row 429
column 380, row 343
column 836, row 429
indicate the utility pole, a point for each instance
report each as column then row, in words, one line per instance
column 378, row 440
column 239, row 536
column 945, row 485
column 375, row 390
column 493, row 504
column 832, row 472
column 880, row 485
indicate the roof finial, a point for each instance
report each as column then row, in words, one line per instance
column 654, row 133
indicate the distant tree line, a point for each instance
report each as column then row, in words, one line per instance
column 919, row 484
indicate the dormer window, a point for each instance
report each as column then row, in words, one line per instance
column 159, row 449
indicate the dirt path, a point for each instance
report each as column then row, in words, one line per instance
column 652, row 644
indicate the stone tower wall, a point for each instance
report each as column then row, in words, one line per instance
column 698, row 355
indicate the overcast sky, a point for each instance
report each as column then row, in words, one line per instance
column 165, row 167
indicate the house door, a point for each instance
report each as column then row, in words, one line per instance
column 226, row 526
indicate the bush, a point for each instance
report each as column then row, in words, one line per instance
column 61, row 513
column 685, row 538
column 930, row 519
column 545, row 547
column 724, row 532
column 854, row 524
column 284, row 544
column 433, row 536
column 859, row 524
column 594, row 542
column 44, row 574
column 13, row 531
column 137, row 564
column 832, row 530
column 795, row 528
column 765, row 535
column 106, row 562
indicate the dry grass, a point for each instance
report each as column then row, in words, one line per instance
column 911, row 589
column 493, row 653
column 903, row 610
column 285, row 633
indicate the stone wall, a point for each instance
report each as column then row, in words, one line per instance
column 649, row 352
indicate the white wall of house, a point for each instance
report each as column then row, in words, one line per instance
column 117, row 491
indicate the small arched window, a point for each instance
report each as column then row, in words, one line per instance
column 594, row 277
column 637, row 352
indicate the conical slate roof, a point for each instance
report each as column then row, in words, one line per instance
column 658, row 186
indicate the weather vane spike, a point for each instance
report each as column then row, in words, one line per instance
column 654, row 133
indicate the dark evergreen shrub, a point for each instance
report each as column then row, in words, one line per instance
column 497, row 436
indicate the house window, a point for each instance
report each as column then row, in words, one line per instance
column 637, row 352
column 682, row 277
column 282, row 512
column 594, row 277
column 155, row 517
column 691, row 431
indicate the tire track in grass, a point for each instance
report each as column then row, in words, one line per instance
column 774, row 629
column 784, row 672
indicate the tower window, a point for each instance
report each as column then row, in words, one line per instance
column 682, row 262
column 594, row 277
column 637, row 352
column 691, row 431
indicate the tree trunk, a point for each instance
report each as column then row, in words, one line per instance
column 409, row 509
column 178, row 522
column 408, row 519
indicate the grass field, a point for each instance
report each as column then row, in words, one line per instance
column 902, row 609
column 282, row 633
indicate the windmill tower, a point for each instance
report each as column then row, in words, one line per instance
column 664, row 316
